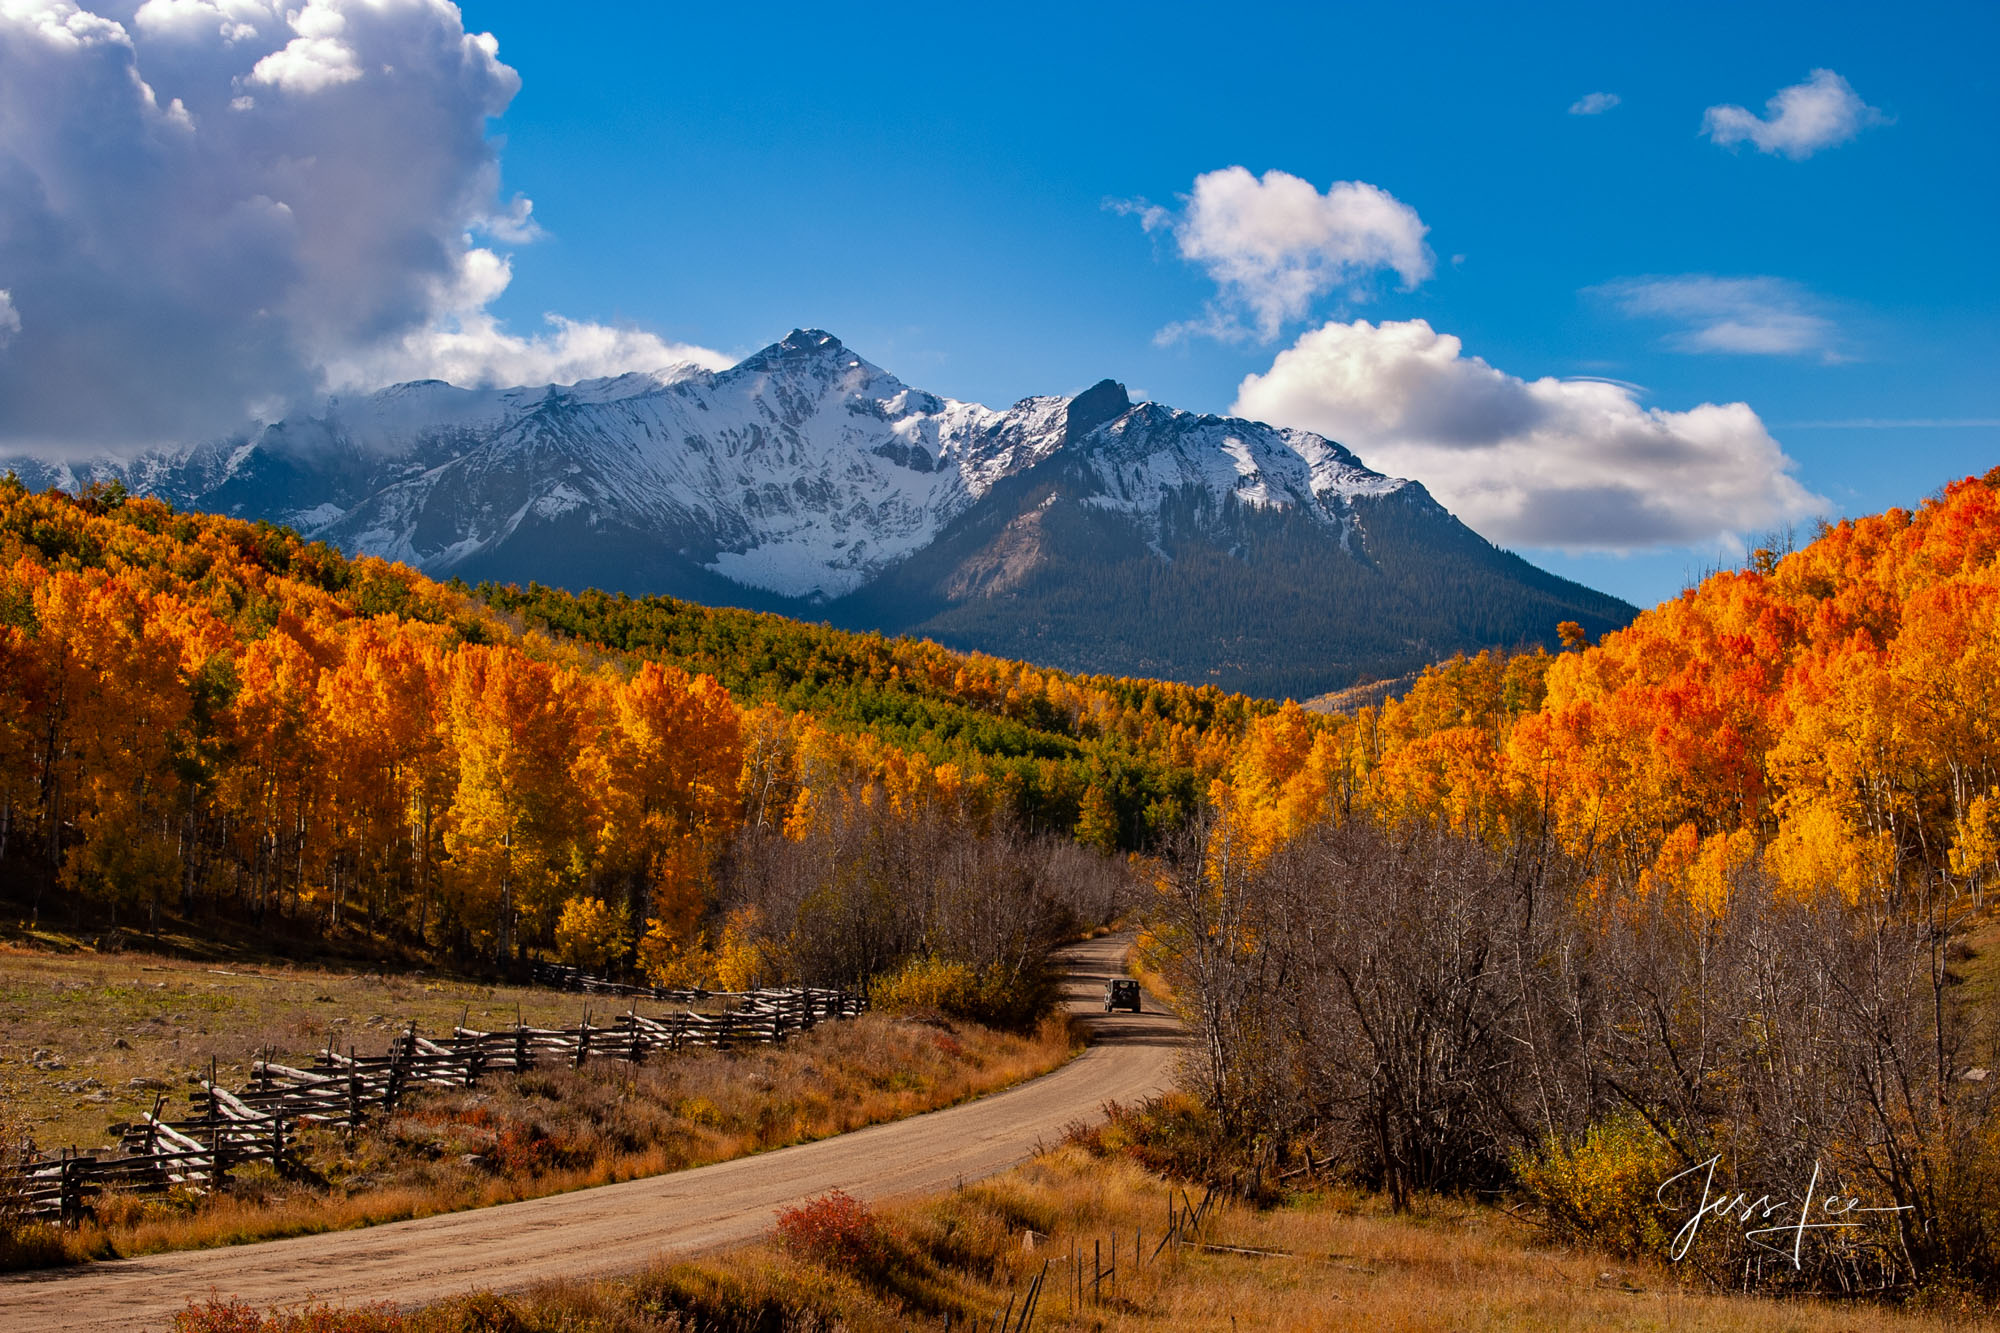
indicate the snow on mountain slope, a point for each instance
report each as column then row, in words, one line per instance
column 804, row 471
column 801, row 471
column 1084, row 532
column 1153, row 449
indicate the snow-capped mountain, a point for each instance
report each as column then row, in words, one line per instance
column 807, row 479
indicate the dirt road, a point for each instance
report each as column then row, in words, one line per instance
column 619, row 1228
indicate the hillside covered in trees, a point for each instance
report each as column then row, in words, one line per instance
column 1120, row 759
column 1678, row 916
column 215, row 720
column 1835, row 710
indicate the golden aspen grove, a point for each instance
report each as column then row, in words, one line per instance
column 216, row 722
column 1835, row 712
column 207, row 715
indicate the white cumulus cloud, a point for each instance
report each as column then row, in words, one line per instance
column 62, row 25
column 1798, row 121
column 1754, row 316
column 1274, row 244
column 231, row 20
column 211, row 208
column 10, row 318
column 1593, row 104
column 465, row 344
column 308, row 65
column 476, row 350
column 1578, row 464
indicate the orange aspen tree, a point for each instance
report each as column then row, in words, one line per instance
column 514, row 831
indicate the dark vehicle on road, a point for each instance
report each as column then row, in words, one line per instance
column 1121, row 993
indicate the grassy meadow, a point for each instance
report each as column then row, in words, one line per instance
column 92, row 1039
column 87, row 1039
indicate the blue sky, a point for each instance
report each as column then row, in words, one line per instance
column 1543, row 304
column 931, row 187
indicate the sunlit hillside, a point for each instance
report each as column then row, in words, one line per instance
column 1837, row 707
column 209, row 719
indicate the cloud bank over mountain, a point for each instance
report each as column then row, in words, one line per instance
column 211, row 210
column 1575, row 464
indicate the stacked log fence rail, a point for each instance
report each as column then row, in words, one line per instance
column 260, row 1122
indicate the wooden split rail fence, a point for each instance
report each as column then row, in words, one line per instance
column 260, row 1122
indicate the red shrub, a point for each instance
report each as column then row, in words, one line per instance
column 834, row 1228
column 216, row 1315
column 522, row 1150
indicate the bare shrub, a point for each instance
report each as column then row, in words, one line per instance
column 1796, row 1041
column 1351, row 993
column 871, row 888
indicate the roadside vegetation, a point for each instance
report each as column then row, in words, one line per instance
column 1328, row 1257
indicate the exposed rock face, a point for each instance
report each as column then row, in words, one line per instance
column 1103, row 401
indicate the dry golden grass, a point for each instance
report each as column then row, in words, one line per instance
column 513, row 1137
column 107, row 1019
column 1347, row 1263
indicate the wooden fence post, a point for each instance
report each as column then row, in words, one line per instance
column 68, row 1205
column 353, row 1093
column 392, row 1090
column 217, row 1167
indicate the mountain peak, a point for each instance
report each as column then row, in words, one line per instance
column 1083, row 531
column 802, row 342
column 799, row 345
column 1103, row 401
